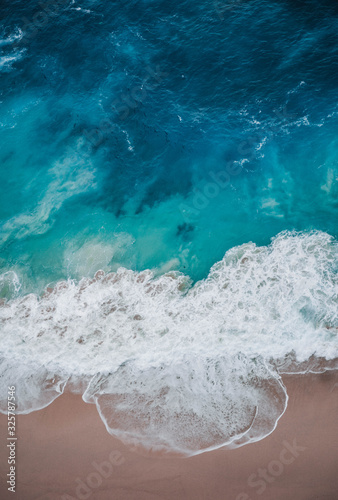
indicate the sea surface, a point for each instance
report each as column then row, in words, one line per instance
column 168, row 210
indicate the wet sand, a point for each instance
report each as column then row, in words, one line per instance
column 64, row 452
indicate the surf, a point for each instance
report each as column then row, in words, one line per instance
column 174, row 364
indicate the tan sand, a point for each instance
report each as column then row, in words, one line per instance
column 66, row 450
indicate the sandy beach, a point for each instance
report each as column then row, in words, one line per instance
column 65, row 452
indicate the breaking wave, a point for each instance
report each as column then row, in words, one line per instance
column 175, row 365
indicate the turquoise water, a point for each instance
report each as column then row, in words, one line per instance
column 186, row 93
column 160, row 136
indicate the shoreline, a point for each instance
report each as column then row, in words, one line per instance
column 64, row 452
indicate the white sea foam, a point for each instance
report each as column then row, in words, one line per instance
column 13, row 37
column 9, row 284
column 180, row 366
column 6, row 61
column 35, row 387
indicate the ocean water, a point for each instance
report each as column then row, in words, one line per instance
column 168, row 210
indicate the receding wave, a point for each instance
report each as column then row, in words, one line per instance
column 175, row 365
